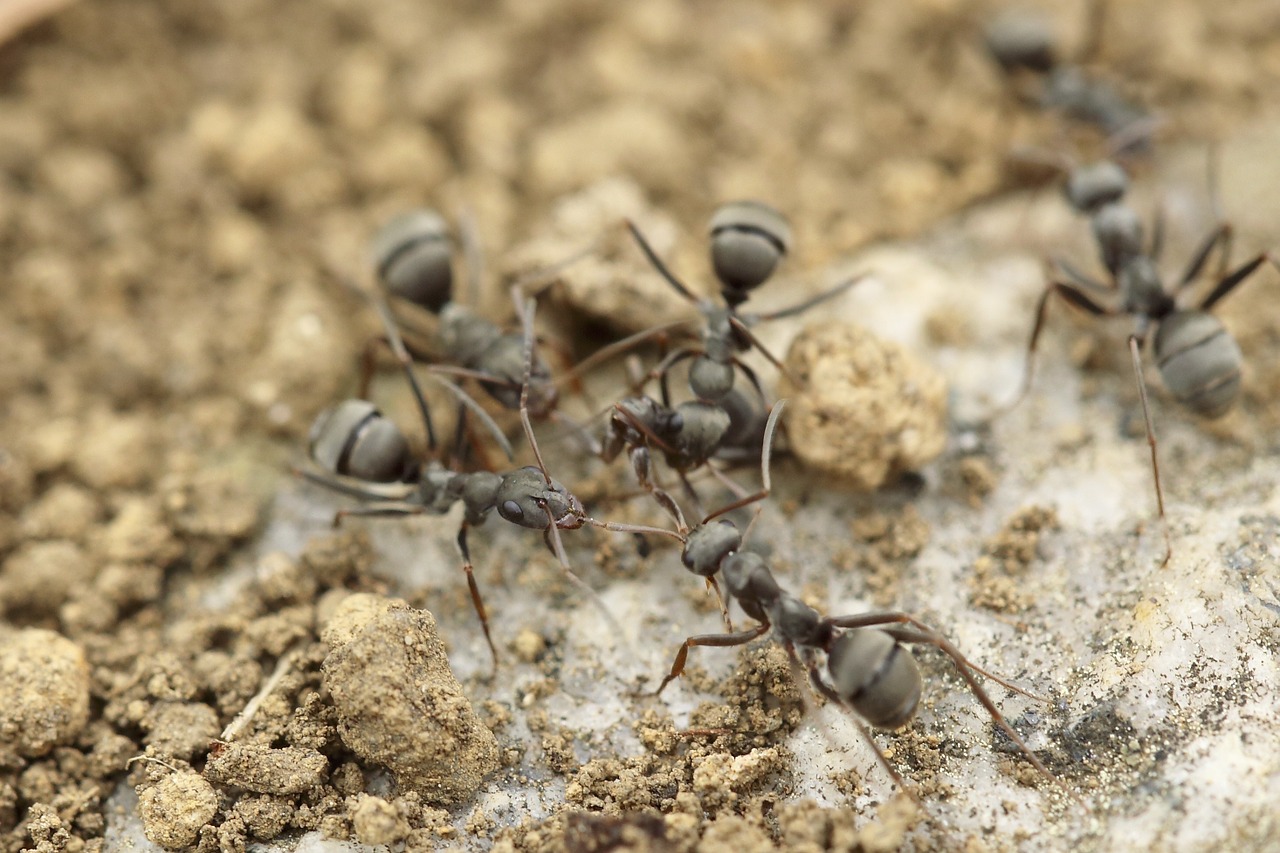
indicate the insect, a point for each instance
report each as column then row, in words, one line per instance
column 1022, row 43
column 869, row 669
column 1198, row 359
column 363, row 454
column 413, row 260
column 748, row 240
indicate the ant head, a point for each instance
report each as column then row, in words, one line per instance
column 707, row 546
column 876, row 676
column 413, row 256
column 354, row 439
column 748, row 239
column 525, row 498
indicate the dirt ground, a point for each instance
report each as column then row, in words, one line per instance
column 186, row 188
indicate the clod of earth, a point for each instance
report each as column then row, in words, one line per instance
column 176, row 808
column 44, row 682
column 398, row 702
column 868, row 409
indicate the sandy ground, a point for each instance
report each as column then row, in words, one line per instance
column 184, row 190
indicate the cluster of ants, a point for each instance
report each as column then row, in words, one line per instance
column 859, row 662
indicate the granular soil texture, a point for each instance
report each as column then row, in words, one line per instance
column 184, row 188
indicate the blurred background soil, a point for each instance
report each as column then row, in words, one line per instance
column 184, row 188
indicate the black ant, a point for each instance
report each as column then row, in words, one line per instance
column 869, row 669
column 1198, row 359
column 363, row 454
column 1021, row 42
column 413, row 260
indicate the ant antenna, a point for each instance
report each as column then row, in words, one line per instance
column 406, row 362
column 766, row 454
column 525, row 309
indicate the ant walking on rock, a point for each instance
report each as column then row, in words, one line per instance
column 1198, row 359
column 869, row 669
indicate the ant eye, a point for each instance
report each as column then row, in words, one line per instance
column 511, row 511
column 676, row 421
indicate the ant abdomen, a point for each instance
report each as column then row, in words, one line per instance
column 354, row 439
column 876, row 676
column 748, row 239
column 414, row 259
column 1199, row 362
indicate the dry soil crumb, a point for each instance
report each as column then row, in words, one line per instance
column 399, row 705
column 44, row 679
column 995, row 580
column 376, row 821
column 176, row 808
column 893, row 539
column 868, row 409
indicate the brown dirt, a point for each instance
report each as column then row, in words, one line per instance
column 182, row 189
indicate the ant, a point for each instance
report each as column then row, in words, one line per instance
column 1198, row 359
column 869, row 669
column 1021, row 42
column 748, row 239
column 413, row 260
column 364, row 454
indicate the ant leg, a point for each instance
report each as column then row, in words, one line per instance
column 368, row 366
column 461, row 442
column 753, row 378
column 384, row 510
column 691, row 493
column 1081, row 278
column 741, row 328
column 966, row 669
column 641, row 464
column 406, row 363
column 1157, row 232
column 388, row 492
column 1135, row 350
column 738, row 638
column 663, row 369
column 801, row 307
column 1232, row 279
column 526, row 309
column 1073, row 296
column 924, row 635
column 476, row 600
column 1217, row 237
column 616, row 348
column 714, row 586
column 876, row 620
